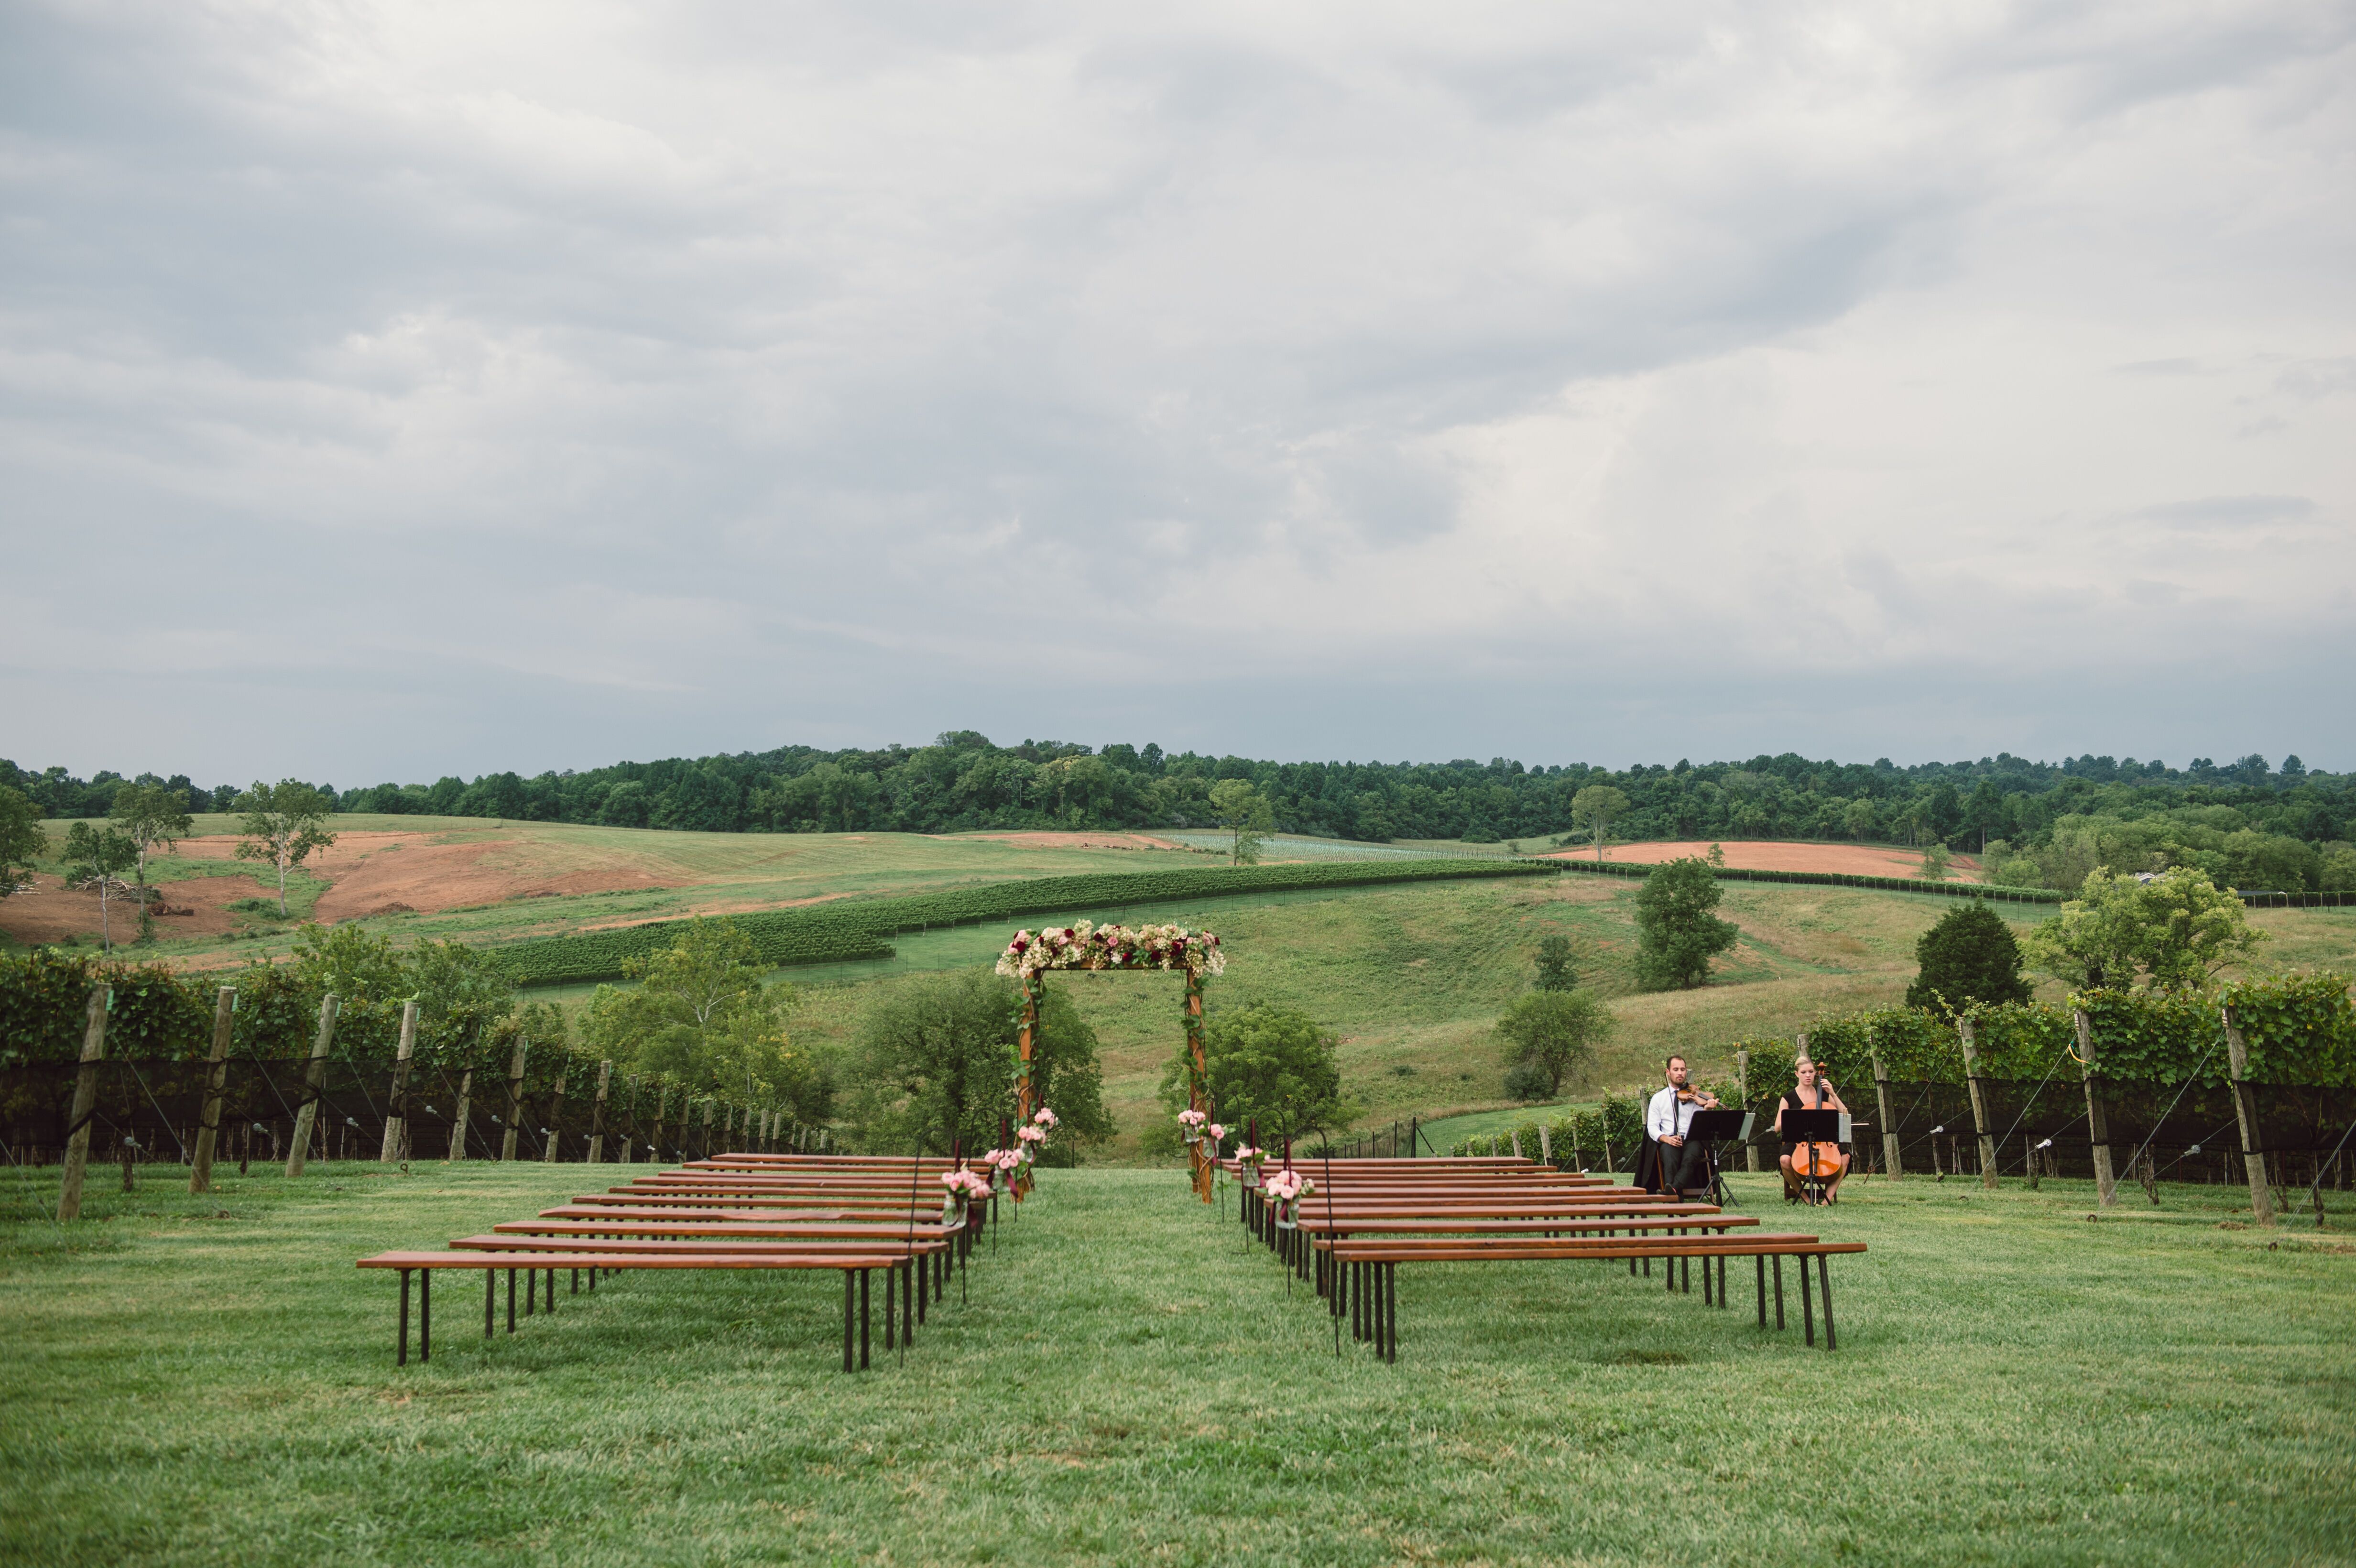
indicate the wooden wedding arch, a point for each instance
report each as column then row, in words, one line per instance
column 1168, row 949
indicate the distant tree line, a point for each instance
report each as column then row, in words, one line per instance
column 2246, row 824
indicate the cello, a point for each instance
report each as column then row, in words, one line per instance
column 1822, row 1163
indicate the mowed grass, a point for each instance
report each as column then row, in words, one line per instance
column 201, row 1381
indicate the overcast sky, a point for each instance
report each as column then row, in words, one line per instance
column 395, row 391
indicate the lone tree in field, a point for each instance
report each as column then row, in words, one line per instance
column 1245, row 812
column 98, row 853
column 1268, row 1063
column 1551, row 1038
column 284, row 822
column 1594, row 809
column 1677, row 934
column 151, row 817
column 1969, row 956
column 21, row 840
column 1555, row 973
column 2173, row 931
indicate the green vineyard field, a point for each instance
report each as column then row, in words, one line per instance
column 834, row 932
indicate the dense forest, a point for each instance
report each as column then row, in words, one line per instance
column 2249, row 823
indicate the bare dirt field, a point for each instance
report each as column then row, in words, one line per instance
column 50, row 911
column 1776, row 855
column 382, row 873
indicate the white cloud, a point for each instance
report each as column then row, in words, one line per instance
column 528, row 385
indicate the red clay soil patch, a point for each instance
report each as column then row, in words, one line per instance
column 1070, row 840
column 48, row 911
column 393, row 873
column 1776, row 855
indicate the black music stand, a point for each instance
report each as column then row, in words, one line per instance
column 1814, row 1127
column 1710, row 1128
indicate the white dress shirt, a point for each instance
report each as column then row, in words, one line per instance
column 1669, row 1116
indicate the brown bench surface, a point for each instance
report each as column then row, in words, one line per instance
column 671, row 1225
column 597, row 1259
column 893, row 1246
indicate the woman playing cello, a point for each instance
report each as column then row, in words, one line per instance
column 1830, row 1163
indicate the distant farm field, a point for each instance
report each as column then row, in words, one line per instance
column 1410, row 977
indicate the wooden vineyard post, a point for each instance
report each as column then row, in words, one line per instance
column 1742, row 1091
column 1198, row 1090
column 1889, row 1127
column 2245, row 1112
column 85, row 1104
column 653, row 1135
column 466, row 1103
column 200, row 1179
column 315, row 1084
column 2098, row 1126
column 395, row 1148
column 1979, row 1109
column 515, row 1097
column 597, row 1114
column 555, row 1120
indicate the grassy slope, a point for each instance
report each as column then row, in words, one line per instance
column 207, row 1380
column 1411, row 979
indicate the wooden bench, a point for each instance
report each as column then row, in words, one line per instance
column 1367, row 1283
column 855, row 1266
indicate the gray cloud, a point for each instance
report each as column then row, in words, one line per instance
column 399, row 390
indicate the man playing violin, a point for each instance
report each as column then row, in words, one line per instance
column 1685, row 1165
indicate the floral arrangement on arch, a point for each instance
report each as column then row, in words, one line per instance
column 1091, row 946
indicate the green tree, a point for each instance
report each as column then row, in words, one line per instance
column 1554, row 965
column 1245, row 812
column 2173, row 930
column 935, row 1060
column 151, row 817
column 1935, row 862
column 98, row 854
column 1552, row 1037
column 1969, row 956
column 284, row 822
column 1594, row 809
column 1859, row 817
column 702, row 1013
column 1677, row 934
column 22, row 842
column 1271, row 1064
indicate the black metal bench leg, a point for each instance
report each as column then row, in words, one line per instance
column 891, row 1302
column 1807, row 1307
column 1762, row 1261
column 1685, row 1274
column 1390, row 1310
column 847, row 1288
column 491, row 1300
column 530, row 1291
column 1824, row 1279
column 864, row 1316
column 1779, row 1292
column 576, row 1282
column 401, row 1354
column 425, row 1314
column 552, row 1290
column 511, row 1274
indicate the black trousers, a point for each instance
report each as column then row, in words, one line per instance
column 1684, row 1168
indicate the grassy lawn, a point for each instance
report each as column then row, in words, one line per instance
column 209, row 1380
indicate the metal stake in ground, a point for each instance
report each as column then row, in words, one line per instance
column 200, row 1179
